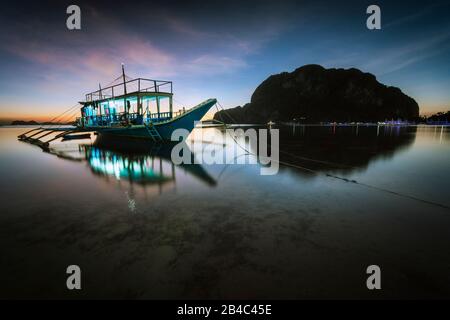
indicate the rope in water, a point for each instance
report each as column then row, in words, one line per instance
column 331, row 175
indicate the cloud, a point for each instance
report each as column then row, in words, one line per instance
column 399, row 57
column 244, row 35
column 412, row 17
column 93, row 54
column 213, row 64
column 180, row 26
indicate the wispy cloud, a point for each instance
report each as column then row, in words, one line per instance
column 399, row 57
column 93, row 54
column 216, row 64
column 413, row 17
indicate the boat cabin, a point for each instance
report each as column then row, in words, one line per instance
column 135, row 102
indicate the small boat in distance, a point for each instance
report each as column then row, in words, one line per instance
column 138, row 108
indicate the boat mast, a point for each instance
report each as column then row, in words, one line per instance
column 123, row 77
column 124, row 92
column 100, row 96
column 100, row 91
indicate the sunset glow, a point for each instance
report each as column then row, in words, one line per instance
column 213, row 50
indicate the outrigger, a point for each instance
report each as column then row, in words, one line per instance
column 125, row 109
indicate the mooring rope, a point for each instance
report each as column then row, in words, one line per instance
column 60, row 115
column 334, row 176
column 67, row 118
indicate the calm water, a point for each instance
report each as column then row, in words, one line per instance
column 141, row 227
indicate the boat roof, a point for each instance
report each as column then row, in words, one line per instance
column 134, row 87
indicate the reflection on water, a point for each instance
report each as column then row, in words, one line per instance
column 342, row 149
column 139, row 170
column 315, row 148
column 225, row 231
column 137, row 162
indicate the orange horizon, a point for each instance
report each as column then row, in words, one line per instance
column 69, row 117
column 36, row 118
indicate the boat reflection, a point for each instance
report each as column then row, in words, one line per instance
column 136, row 162
column 139, row 162
column 142, row 169
column 312, row 149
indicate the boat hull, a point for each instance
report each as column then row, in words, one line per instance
column 165, row 129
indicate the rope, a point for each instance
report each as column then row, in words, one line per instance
column 248, row 152
column 118, row 78
column 291, row 154
column 70, row 113
column 180, row 104
column 334, row 176
column 391, row 192
column 224, row 110
column 71, row 108
column 60, row 115
column 68, row 118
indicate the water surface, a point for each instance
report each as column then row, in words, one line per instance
column 141, row 227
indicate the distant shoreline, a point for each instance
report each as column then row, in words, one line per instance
column 282, row 124
column 35, row 123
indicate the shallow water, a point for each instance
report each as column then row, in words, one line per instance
column 141, row 227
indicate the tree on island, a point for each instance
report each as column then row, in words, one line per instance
column 440, row 117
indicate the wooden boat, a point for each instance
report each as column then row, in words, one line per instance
column 125, row 110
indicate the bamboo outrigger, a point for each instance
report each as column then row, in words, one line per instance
column 125, row 109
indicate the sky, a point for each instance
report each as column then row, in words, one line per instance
column 214, row 49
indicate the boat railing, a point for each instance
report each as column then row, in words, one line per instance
column 123, row 119
column 160, row 116
column 131, row 86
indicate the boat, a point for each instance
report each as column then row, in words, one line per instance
column 135, row 108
